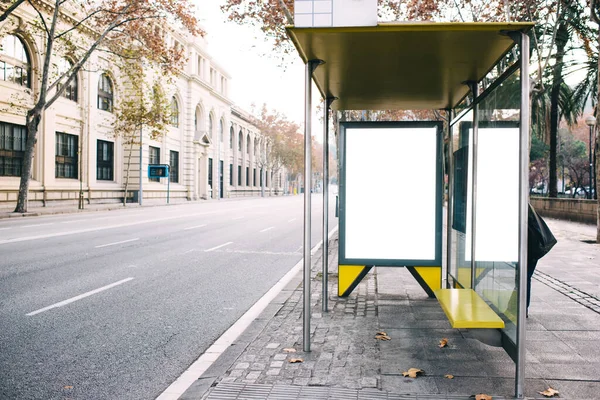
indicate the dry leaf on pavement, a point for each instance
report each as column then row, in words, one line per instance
column 483, row 397
column 68, row 387
column 443, row 342
column 413, row 372
column 549, row 392
column 289, row 350
column 382, row 336
column 296, row 360
column 449, row 376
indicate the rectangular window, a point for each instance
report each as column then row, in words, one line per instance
column 210, row 182
column 261, row 177
column 65, row 165
column 153, row 158
column 105, row 161
column 239, row 175
column 231, row 174
column 12, row 148
column 174, row 166
column 247, row 176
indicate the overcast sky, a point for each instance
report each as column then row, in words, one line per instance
column 256, row 78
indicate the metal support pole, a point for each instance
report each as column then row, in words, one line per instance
column 168, row 183
column 310, row 67
column 328, row 102
column 591, row 185
column 449, row 216
column 141, row 194
column 523, row 214
column 474, row 87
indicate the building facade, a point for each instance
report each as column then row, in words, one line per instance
column 212, row 147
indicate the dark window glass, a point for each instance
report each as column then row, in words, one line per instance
column 254, row 177
column 248, row 144
column 105, row 93
column 247, row 176
column 14, row 61
column 174, row 113
column 70, row 92
column 105, row 161
column 12, row 148
column 154, row 158
column 65, row 164
column 239, row 175
column 231, row 174
column 174, row 166
column 261, row 177
column 210, row 181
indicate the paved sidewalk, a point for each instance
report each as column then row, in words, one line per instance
column 347, row 362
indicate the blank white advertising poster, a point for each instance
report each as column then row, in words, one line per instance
column 390, row 193
column 497, row 226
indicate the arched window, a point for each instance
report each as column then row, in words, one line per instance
column 105, row 93
column 221, row 130
column 240, row 141
column 248, row 144
column 64, row 65
column 174, row 112
column 231, row 138
column 210, row 126
column 15, row 66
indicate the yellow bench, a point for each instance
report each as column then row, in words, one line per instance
column 465, row 309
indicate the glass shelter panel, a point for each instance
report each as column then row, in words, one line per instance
column 497, row 201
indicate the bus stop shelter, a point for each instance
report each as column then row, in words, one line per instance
column 396, row 176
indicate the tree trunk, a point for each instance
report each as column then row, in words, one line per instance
column 34, row 117
column 557, row 78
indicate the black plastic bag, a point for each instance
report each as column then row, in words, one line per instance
column 540, row 239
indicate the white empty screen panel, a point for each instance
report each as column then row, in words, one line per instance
column 497, row 230
column 390, row 193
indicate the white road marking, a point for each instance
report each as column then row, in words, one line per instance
column 236, row 218
column 267, row 229
column 292, row 220
column 218, row 247
column 194, row 227
column 31, row 226
column 81, row 296
column 102, row 228
column 266, row 253
column 121, row 242
column 4, row 229
column 189, row 251
column 300, row 249
column 199, row 367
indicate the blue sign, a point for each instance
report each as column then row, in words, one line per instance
column 158, row 171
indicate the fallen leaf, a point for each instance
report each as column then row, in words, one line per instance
column 68, row 387
column 413, row 372
column 382, row 336
column 449, row 376
column 443, row 343
column 549, row 392
column 482, row 397
column 289, row 350
column 296, row 360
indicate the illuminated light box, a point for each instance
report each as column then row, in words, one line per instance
column 497, row 207
column 390, row 193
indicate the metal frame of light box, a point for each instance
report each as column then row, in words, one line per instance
column 436, row 262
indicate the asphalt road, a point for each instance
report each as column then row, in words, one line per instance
column 117, row 304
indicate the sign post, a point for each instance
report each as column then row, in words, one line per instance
column 160, row 171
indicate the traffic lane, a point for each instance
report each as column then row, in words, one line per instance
column 31, row 227
column 63, row 270
column 140, row 336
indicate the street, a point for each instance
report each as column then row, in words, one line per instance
column 117, row 304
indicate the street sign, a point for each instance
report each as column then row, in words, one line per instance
column 158, row 171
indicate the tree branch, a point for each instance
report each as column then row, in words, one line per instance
column 10, row 9
column 39, row 13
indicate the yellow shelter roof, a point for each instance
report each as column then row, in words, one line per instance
column 403, row 65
